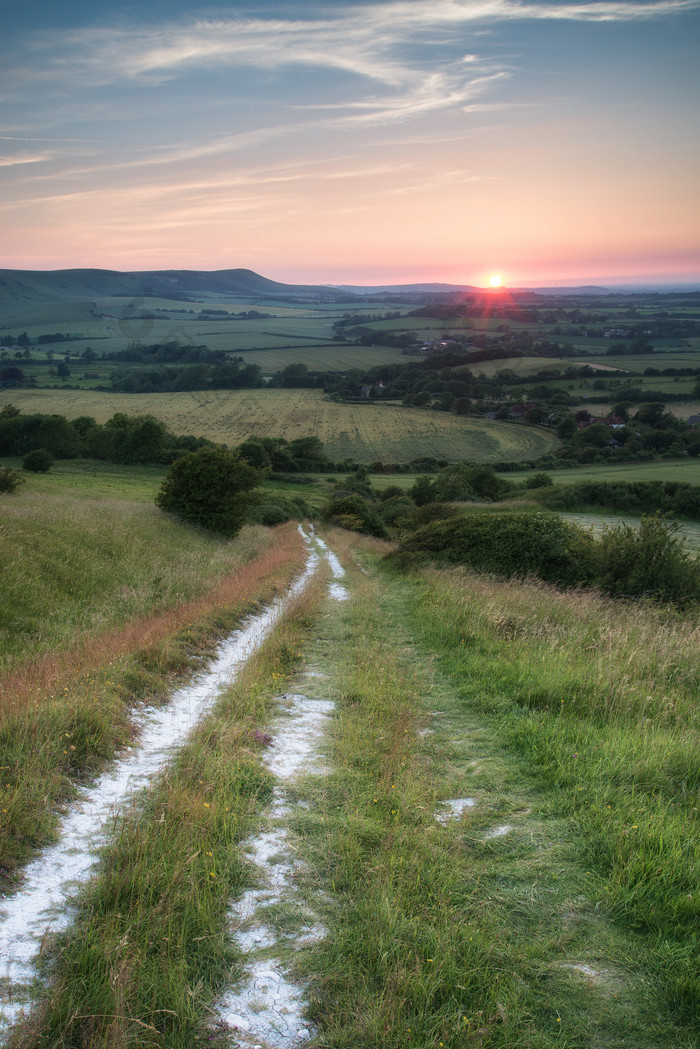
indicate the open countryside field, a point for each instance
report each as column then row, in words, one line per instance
column 336, row 356
column 361, row 431
column 93, row 479
column 110, row 325
column 639, row 362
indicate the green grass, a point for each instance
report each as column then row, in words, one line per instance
column 105, row 602
column 94, row 479
column 570, row 720
column 571, row 693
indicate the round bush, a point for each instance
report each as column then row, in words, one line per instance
column 38, row 461
column 210, row 487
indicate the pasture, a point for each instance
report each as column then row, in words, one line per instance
column 658, row 470
column 365, row 432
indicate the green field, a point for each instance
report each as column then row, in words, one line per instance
column 289, row 335
column 690, row 530
column 658, row 470
column 364, row 432
column 93, row 479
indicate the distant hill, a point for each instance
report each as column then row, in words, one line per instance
column 24, row 286
column 406, row 289
column 464, row 289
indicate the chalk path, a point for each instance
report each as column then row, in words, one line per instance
column 266, row 1011
column 42, row 906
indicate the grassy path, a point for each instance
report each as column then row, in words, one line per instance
column 478, row 835
column 469, row 906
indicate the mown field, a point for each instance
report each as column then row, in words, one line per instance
column 364, row 432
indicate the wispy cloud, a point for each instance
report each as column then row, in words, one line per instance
column 351, row 39
column 25, row 158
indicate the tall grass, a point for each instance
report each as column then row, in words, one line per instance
column 601, row 700
column 64, row 715
column 74, row 568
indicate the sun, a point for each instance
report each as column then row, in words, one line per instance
column 495, row 280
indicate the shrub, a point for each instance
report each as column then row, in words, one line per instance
column 210, row 487
column 510, row 544
column 38, row 461
column 271, row 509
column 539, row 480
column 677, row 497
column 10, row 479
column 354, row 513
column 649, row 561
column 392, row 492
column 423, row 515
column 392, row 510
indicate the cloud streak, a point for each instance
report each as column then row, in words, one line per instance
column 351, row 40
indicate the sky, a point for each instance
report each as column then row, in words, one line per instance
column 354, row 143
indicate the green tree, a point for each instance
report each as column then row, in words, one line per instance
column 210, row 487
column 650, row 413
column 310, row 447
column 255, row 453
column 423, row 491
column 567, row 428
